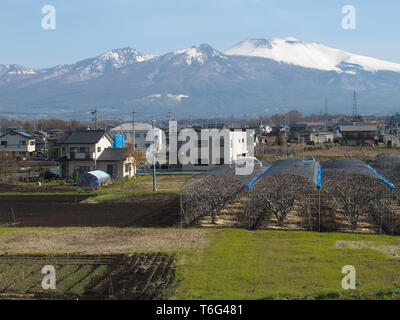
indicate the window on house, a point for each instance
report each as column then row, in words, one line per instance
column 32, row 143
column 98, row 149
column 22, row 142
column 4, row 143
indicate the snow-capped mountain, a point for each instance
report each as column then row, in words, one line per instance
column 254, row 76
column 309, row 55
column 197, row 54
column 13, row 69
column 80, row 71
column 95, row 67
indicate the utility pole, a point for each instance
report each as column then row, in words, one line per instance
column 134, row 131
column 154, row 158
column 355, row 104
column 170, row 116
column 326, row 108
column 95, row 119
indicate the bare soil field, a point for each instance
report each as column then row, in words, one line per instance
column 158, row 210
column 136, row 276
column 98, row 241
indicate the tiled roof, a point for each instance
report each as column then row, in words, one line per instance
column 83, row 136
column 357, row 128
column 21, row 133
column 112, row 154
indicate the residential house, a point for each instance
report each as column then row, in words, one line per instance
column 86, row 150
column 316, row 137
column 18, row 143
column 141, row 130
column 357, row 135
column 40, row 141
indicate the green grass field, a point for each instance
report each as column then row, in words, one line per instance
column 241, row 264
column 141, row 185
column 230, row 263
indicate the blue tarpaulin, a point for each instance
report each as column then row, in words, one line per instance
column 119, row 142
column 93, row 179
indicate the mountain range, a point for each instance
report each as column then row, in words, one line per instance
column 254, row 77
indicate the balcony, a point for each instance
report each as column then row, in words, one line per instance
column 80, row 156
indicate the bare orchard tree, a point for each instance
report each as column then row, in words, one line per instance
column 309, row 208
column 385, row 210
column 206, row 196
column 353, row 196
column 8, row 166
column 277, row 194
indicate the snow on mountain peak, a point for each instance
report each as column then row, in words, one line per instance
column 13, row 69
column 309, row 55
column 199, row 53
column 117, row 58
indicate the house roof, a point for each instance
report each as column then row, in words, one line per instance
column 24, row 134
column 298, row 125
column 139, row 126
column 84, row 136
column 112, row 154
column 357, row 128
column 39, row 133
column 39, row 140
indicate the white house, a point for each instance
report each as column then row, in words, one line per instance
column 86, row 150
column 19, row 143
column 227, row 145
column 141, row 130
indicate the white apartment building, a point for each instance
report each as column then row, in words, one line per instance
column 141, row 130
column 227, row 145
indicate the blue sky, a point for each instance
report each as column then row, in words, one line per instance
column 90, row 27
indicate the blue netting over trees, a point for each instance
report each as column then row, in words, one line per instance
column 337, row 195
column 206, row 194
column 347, row 166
